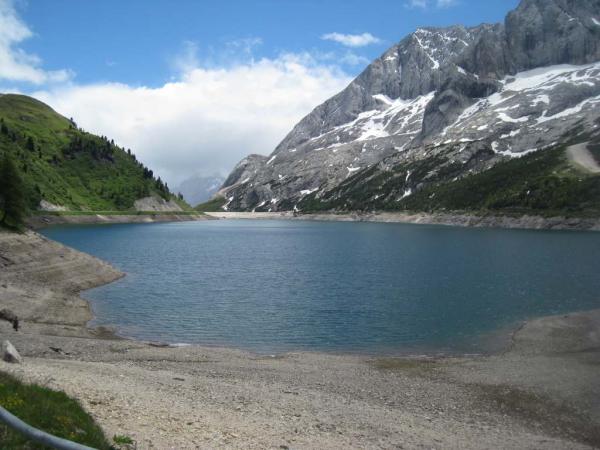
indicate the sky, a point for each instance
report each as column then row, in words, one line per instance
column 193, row 86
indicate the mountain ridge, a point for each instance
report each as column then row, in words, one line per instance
column 65, row 168
column 420, row 88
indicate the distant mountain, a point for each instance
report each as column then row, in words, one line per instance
column 442, row 105
column 64, row 167
column 198, row 189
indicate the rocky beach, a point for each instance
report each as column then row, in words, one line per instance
column 541, row 392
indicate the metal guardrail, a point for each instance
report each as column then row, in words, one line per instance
column 37, row 435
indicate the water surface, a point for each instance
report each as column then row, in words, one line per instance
column 271, row 286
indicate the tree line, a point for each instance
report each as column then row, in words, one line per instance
column 20, row 192
column 13, row 207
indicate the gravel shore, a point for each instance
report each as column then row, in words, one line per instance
column 542, row 392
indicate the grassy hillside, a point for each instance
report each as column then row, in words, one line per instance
column 50, row 411
column 541, row 183
column 67, row 166
column 214, row 204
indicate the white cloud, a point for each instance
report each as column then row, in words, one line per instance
column 422, row 4
column 352, row 59
column 211, row 114
column 348, row 58
column 187, row 59
column 426, row 4
column 209, row 118
column 352, row 40
column 15, row 64
column 244, row 46
column 446, row 3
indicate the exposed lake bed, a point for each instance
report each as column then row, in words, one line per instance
column 541, row 392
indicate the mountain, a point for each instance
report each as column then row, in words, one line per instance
column 198, row 189
column 442, row 105
column 64, row 167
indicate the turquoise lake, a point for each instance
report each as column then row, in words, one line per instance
column 274, row 286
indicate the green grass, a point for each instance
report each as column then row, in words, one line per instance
column 67, row 166
column 122, row 439
column 51, row 411
column 542, row 183
column 212, row 205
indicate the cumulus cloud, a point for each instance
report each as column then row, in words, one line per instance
column 352, row 40
column 213, row 111
column 209, row 118
column 15, row 64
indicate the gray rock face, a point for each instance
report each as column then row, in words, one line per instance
column 439, row 86
column 246, row 168
column 10, row 353
column 545, row 32
column 155, row 204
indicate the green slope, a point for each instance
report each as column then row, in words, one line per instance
column 67, row 166
column 214, row 204
column 542, row 183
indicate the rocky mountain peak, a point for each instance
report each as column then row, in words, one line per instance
column 425, row 90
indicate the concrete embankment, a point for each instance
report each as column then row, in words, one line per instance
column 44, row 220
column 458, row 219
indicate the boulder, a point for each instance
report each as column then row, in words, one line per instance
column 11, row 317
column 10, row 353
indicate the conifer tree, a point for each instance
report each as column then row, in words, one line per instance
column 12, row 198
column 30, row 144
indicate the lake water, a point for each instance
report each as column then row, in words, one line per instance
column 271, row 286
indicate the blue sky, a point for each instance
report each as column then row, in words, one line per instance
column 194, row 70
column 134, row 41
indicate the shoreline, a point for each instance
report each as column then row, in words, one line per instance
column 39, row 221
column 458, row 219
column 503, row 339
column 538, row 392
column 506, row 332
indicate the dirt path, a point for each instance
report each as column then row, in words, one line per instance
column 580, row 155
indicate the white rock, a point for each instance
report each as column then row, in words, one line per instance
column 10, row 353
